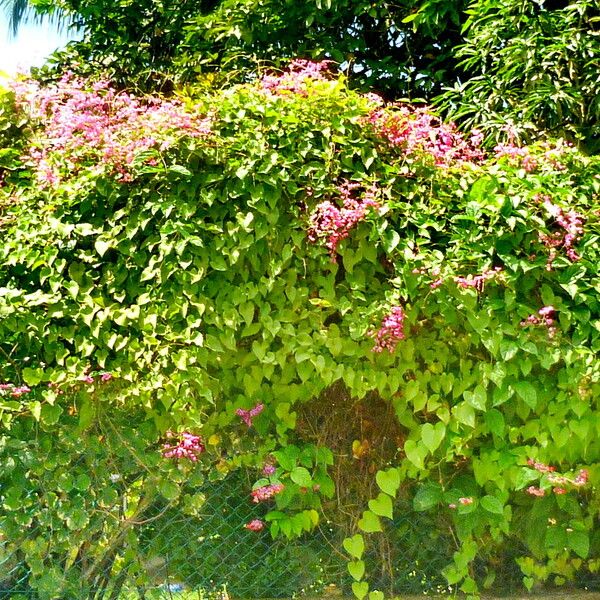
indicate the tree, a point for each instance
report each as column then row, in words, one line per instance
column 530, row 66
column 402, row 49
column 23, row 11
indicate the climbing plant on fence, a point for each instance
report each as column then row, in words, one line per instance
column 212, row 267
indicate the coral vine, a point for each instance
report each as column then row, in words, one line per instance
column 297, row 78
column 477, row 282
column 545, row 318
column 187, row 446
column 572, row 225
column 248, row 415
column 516, row 154
column 100, row 126
column 334, row 224
column 13, row 390
column 391, row 331
column 558, row 481
column 418, row 130
column 266, row 492
column 254, row 525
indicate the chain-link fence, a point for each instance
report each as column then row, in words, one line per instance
column 170, row 551
column 97, row 514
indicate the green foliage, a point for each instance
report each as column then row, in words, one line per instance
column 402, row 49
column 531, row 64
column 195, row 285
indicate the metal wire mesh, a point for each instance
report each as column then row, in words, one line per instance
column 170, row 552
column 197, row 547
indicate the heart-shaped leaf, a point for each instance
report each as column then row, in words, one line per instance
column 579, row 541
column 427, row 496
column 493, row 505
column 527, row 392
column 369, row 522
column 360, row 589
column 382, row 506
column 376, row 595
column 388, row 481
column 416, row 453
column 101, row 247
column 355, row 545
column 432, row 436
column 301, row 476
column 356, row 568
column 494, row 419
column 476, row 398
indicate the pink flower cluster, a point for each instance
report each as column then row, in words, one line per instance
column 434, row 273
column 477, row 281
column 254, row 525
column 333, row 224
column 463, row 501
column 100, row 126
column 184, row 445
column 297, row 78
column 13, row 390
column 268, row 469
column 571, row 224
column 517, row 155
column 559, row 480
column 539, row 492
column 418, row 130
column 540, row 467
column 391, row 331
column 248, row 415
column 89, row 379
column 545, row 318
column 266, row 492
column 580, row 480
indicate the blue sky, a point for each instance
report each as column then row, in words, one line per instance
column 32, row 45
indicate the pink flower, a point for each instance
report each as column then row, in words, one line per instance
column 334, row 224
column 477, row 282
column 87, row 379
column 106, row 377
column 517, row 155
column 534, row 491
column 546, row 319
column 254, row 525
column 266, row 492
column 187, row 446
column 541, row 467
column 452, row 506
column 297, row 79
column 100, row 127
column 582, row 478
column 248, row 415
column 559, row 490
column 546, row 311
column 417, row 131
column 465, row 501
column 19, row 391
column 391, row 331
column 558, row 479
column 571, row 224
column 268, row 469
